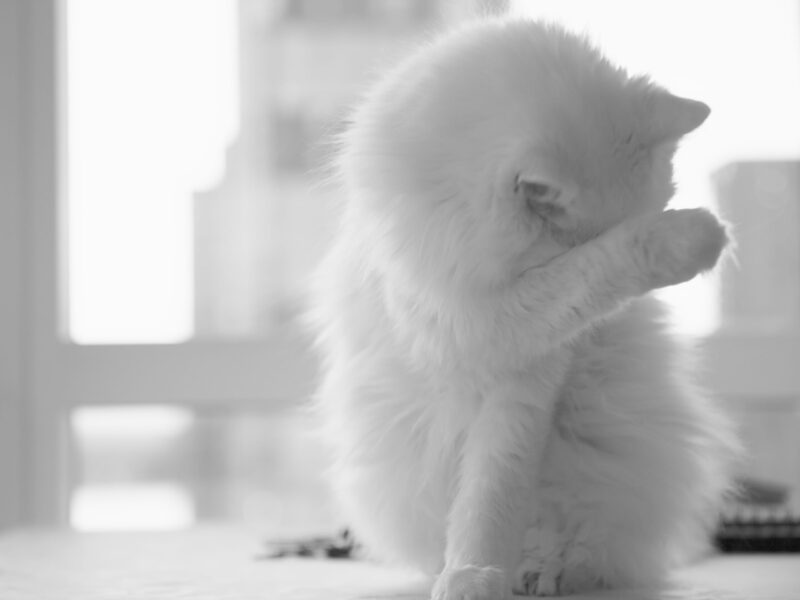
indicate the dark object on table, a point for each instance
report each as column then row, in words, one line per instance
column 339, row 546
column 757, row 492
column 759, row 519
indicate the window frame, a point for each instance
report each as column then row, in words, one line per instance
column 12, row 265
column 44, row 376
column 49, row 374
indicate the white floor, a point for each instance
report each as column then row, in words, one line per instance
column 220, row 564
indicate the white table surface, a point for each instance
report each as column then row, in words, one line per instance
column 219, row 563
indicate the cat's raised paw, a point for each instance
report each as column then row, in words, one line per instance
column 471, row 583
column 679, row 244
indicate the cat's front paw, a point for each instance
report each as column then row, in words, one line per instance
column 679, row 244
column 471, row 583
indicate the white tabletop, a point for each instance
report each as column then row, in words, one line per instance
column 219, row 563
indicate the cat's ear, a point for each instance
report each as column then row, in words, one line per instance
column 671, row 117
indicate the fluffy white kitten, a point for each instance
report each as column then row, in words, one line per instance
column 507, row 407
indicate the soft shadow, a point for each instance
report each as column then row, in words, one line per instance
column 674, row 592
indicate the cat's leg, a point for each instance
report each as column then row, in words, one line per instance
column 560, row 299
column 395, row 517
column 635, row 467
column 567, row 549
column 490, row 512
column 580, row 542
column 393, row 496
column 627, row 543
column 393, row 484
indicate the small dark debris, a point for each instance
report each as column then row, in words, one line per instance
column 340, row 546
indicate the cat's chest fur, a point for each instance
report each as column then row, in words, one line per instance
column 449, row 365
column 463, row 345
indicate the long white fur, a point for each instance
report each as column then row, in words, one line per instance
column 506, row 406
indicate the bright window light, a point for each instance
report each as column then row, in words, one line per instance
column 151, row 106
column 147, row 421
column 139, row 507
column 124, row 481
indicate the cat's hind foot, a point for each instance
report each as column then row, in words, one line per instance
column 551, row 566
column 540, row 572
column 553, row 579
column 536, row 579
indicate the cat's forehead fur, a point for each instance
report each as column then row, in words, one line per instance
column 491, row 88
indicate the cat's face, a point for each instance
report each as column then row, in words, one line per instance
column 506, row 144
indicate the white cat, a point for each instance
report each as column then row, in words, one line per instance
column 507, row 408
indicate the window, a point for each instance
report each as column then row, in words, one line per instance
column 167, row 467
column 190, row 226
column 161, row 225
column 190, row 213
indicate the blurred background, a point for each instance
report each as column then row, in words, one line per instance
column 163, row 208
